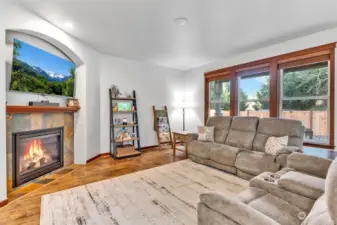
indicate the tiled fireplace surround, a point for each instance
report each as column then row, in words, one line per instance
column 36, row 121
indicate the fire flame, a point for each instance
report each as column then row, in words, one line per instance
column 35, row 150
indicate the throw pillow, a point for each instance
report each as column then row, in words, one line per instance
column 275, row 144
column 206, row 134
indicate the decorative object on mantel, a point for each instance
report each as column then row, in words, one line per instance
column 162, row 126
column 115, row 93
column 45, row 103
column 71, row 102
column 42, row 102
column 127, row 106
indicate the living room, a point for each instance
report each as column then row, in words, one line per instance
column 234, row 88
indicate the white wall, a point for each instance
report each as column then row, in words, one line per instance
column 154, row 85
column 3, row 158
column 93, row 107
column 87, row 132
column 195, row 77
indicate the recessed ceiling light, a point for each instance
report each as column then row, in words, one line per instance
column 181, row 21
column 68, row 25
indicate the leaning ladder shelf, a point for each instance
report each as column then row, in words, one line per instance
column 115, row 152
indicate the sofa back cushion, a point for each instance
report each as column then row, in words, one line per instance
column 242, row 132
column 221, row 126
column 275, row 127
column 331, row 190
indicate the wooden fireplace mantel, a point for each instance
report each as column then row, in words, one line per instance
column 36, row 109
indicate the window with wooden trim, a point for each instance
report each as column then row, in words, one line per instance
column 253, row 98
column 219, row 98
column 297, row 85
column 305, row 96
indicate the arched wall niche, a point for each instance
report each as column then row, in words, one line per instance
column 48, row 44
column 62, row 47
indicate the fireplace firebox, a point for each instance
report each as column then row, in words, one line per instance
column 36, row 153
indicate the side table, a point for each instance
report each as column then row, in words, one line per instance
column 183, row 137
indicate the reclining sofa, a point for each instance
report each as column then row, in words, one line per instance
column 239, row 144
column 303, row 193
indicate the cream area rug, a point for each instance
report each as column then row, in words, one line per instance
column 163, row 195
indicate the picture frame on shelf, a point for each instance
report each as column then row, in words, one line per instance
column 118, row 121
column 124, row 106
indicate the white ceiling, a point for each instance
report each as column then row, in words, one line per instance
column 144, row 29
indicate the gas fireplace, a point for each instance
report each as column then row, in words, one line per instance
column 36, row 153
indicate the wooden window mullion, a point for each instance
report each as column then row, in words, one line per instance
column 332, row 99
column 234, row 94
column 273, row 90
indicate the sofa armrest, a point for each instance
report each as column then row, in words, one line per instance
column 282, row 155
column 289, row 150
column 309, row 164
column 235, row 210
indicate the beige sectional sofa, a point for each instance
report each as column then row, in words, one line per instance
column 239, row 144
column 303, row 193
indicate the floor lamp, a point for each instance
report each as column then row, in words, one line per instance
column 183, row 118
column 183, row 106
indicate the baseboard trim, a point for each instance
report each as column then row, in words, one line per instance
column 97, row 156
column 3, row 203
column 149, row 147
column 108, row 153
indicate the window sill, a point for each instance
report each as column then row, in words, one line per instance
column 325, row 146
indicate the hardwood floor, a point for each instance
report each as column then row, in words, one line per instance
column 26, row 210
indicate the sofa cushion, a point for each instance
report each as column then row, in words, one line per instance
column 201, row 149
column 205, row 133
column 225, row 154
column 278, row 127
column 242, row 132
column 302, row 184
column 221, row 126
column 277, row 209
column 255, row 162
column 319, row 214
column 275, row 144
